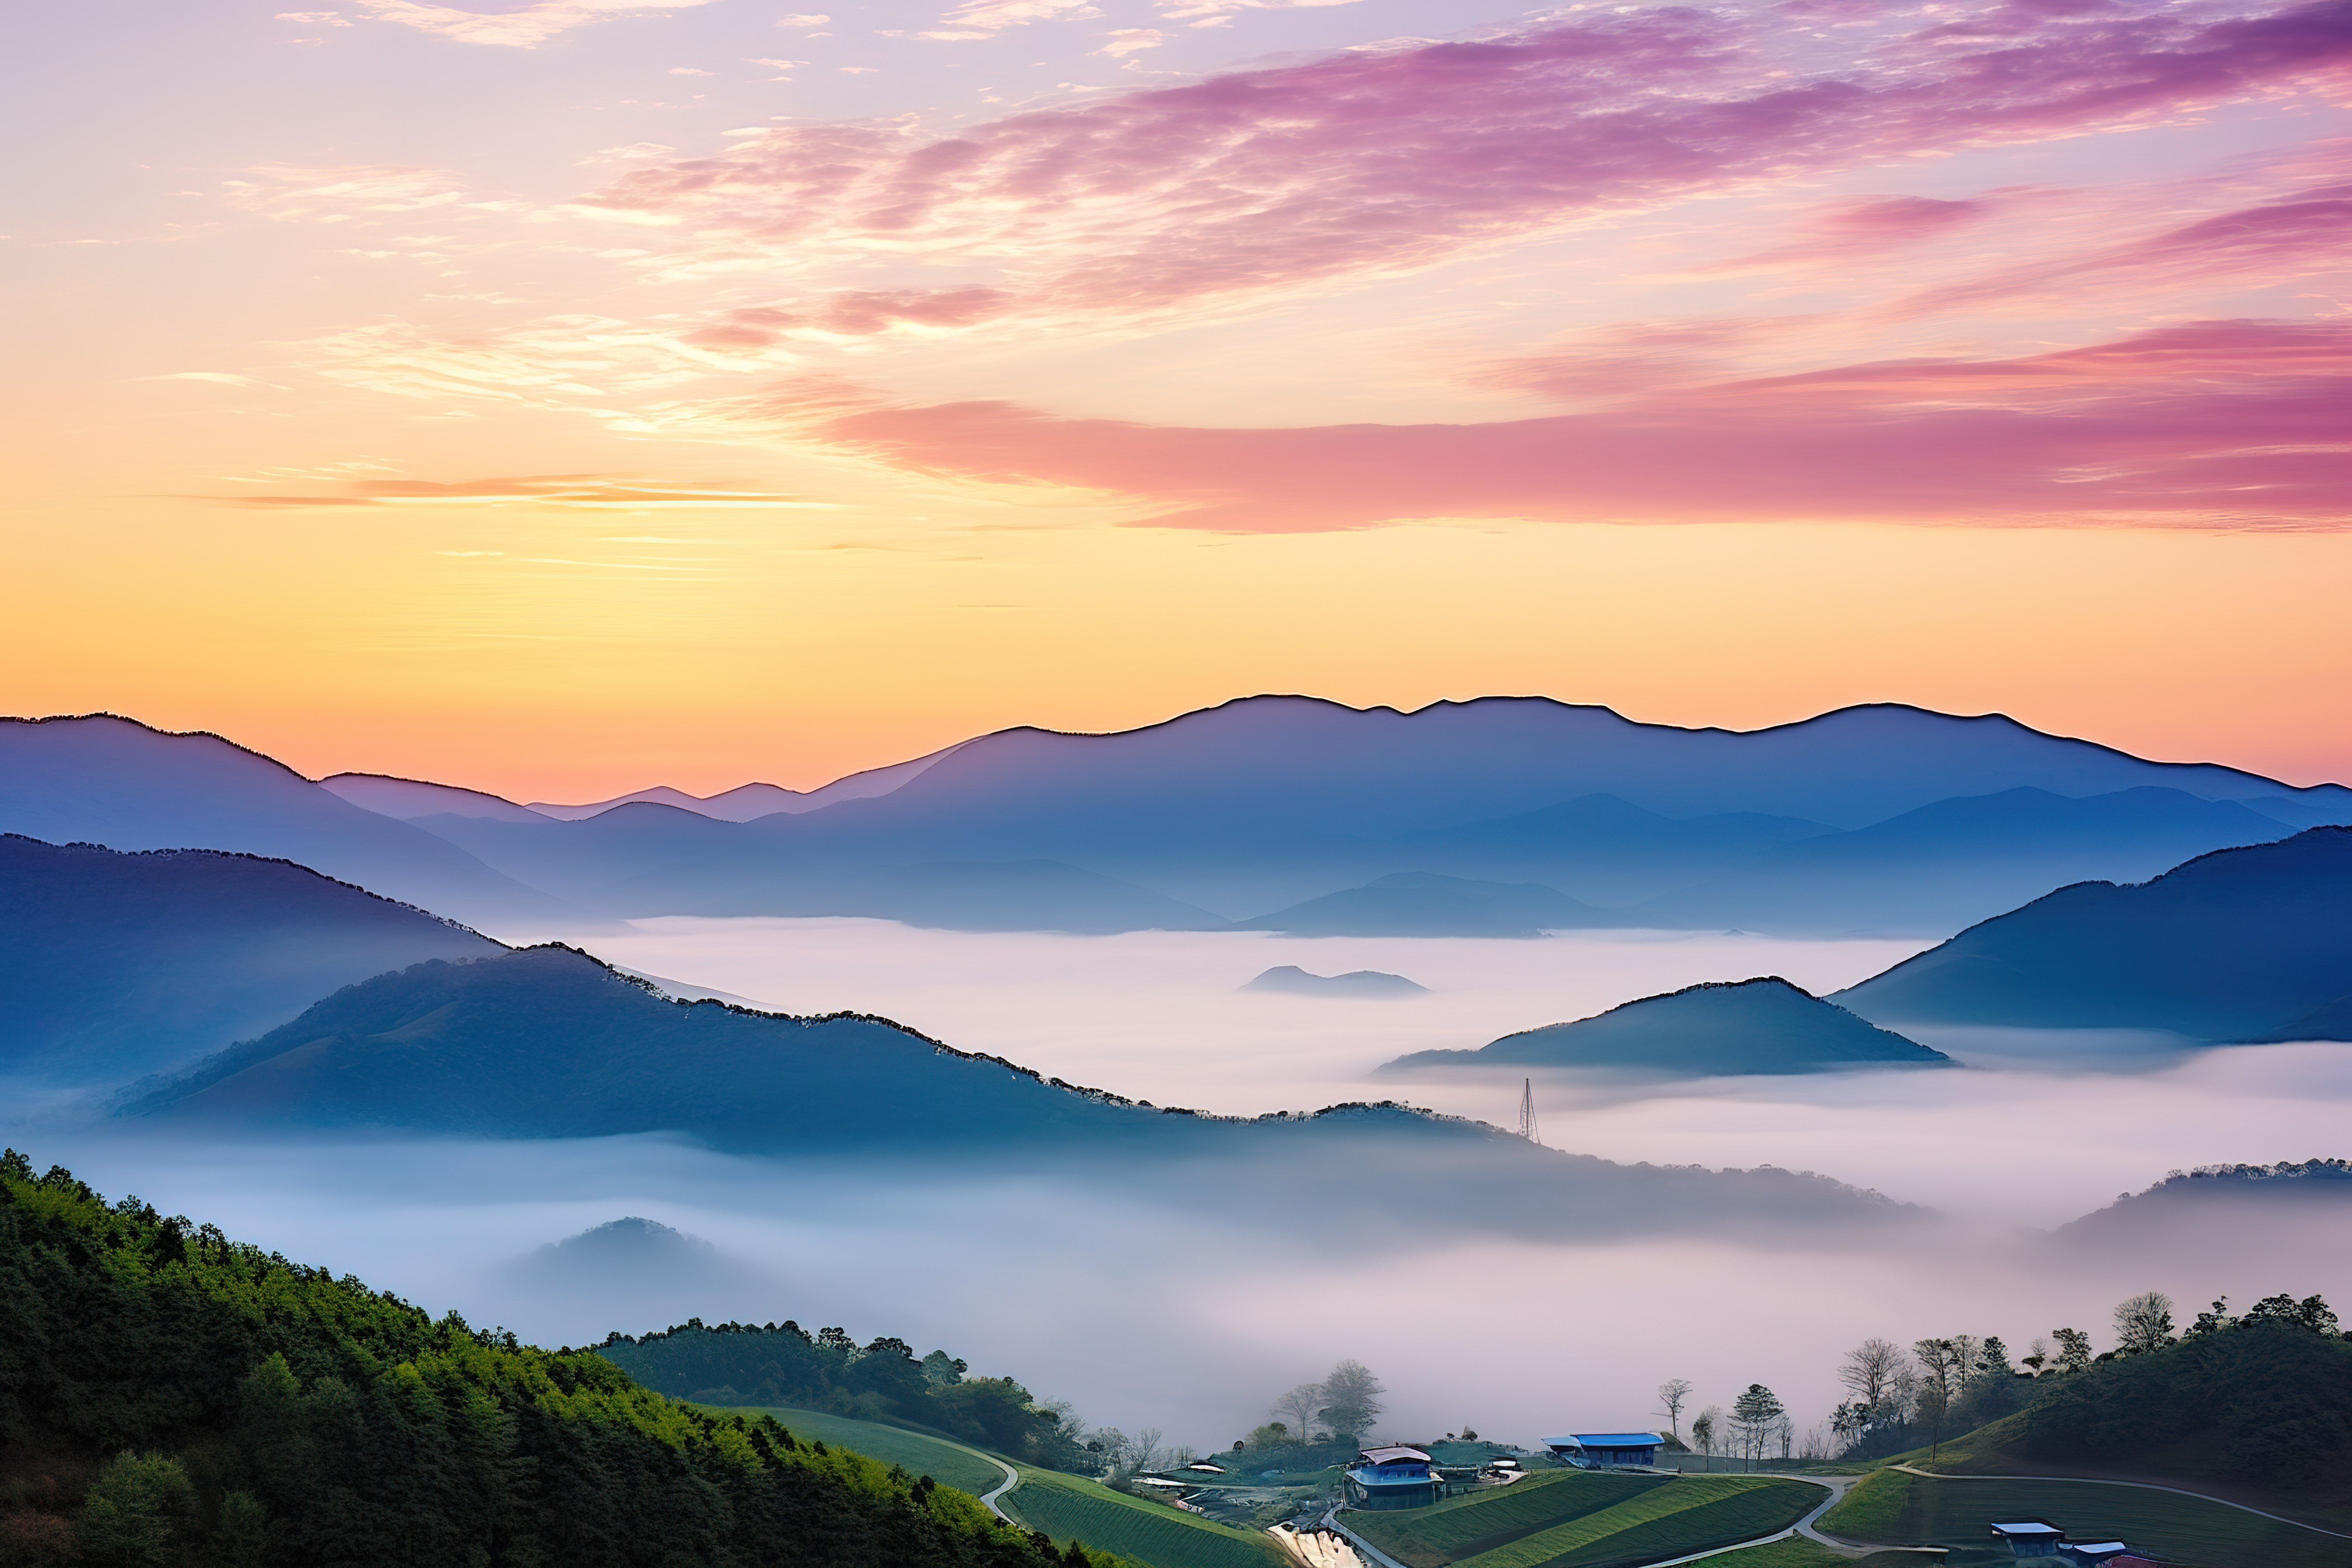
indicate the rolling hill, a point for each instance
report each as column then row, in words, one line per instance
column 168, row 1396
column 2241, row 944
column 114, row 964
column 549, row 1043
column 1761, row 1025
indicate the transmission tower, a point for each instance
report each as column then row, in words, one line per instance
column 1528, row 1111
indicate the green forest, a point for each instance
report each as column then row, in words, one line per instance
column 171, row 1398
column 782, row 1363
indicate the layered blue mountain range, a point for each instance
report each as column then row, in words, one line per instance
column 2244, row 944
column 115, row 965
column 1879, row 819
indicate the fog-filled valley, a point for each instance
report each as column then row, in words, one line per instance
column 1523, row 1164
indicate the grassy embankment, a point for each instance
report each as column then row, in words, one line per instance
column 1576, row 1520
column 1065, row 1507
column 947, row 1462
column 1896, row 1505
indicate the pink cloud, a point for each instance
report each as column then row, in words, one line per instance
column 2309, row 231
column 1381, row 159
column 2216, row 424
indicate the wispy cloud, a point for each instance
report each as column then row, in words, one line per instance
column 592, row 493
column 525, row 28
column 1382, row 160
column 2216, row 424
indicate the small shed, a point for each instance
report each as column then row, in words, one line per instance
column 2093, row 1554
column 1606, row 1450
column 2029, row 1536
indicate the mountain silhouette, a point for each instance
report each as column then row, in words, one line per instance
column 114, row 964
column 1934, row 870
column 2241, row 944
column 1761, row 1025
column 104, row 780
column 1288, row 978
column 547, row 1041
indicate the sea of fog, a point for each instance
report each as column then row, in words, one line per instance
column 1160, row 1301
column 2041, row 1129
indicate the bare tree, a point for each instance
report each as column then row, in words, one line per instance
column 1869, row 1369
column 2143, row 1323
column 1297, row 1408
column 1145, row 1452
column 1671, row 1393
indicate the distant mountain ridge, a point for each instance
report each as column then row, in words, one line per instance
column 117, row 963
column 2238, row 945
column 100, row 779
column 1262, row 803
column 1761, row 1025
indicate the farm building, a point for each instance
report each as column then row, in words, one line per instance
column 2040, row 1537
column 1606, row 1450
column 1392, row 1477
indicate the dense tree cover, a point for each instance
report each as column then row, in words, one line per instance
column 783, row 1364
column 2268, row 1394
column 170, row 1398
column 2264, row 1393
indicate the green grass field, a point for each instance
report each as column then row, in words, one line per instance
column 1795, row 1552
column 1066, row 1507
column 1580, row 1520
column 1481, row 1521
column 933, row 1457
column 1894, row 1506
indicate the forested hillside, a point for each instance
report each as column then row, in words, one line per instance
column 169, row 1397
column 746, row 1364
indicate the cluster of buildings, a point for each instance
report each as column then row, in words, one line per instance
column 2040, row 1537
column 1397, row 1477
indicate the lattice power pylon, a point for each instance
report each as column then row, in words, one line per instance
column 1528, row 1111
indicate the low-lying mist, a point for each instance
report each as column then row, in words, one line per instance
column 1183, row 1299
column 2042, row 1127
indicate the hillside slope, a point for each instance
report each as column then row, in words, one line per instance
column 549, row 1043
column 168, row 1395
column 1761, row 1025
column 115, row 965
column 2236, row 945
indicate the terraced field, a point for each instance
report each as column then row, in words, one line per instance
column 1580, row 1521
column 1464, row 1527
column 1894, row 1506
column 1066, row 1507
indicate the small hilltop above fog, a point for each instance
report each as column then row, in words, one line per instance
column 1761, row 1025
column 1366, row 984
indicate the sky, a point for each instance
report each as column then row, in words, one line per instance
column 564, row 397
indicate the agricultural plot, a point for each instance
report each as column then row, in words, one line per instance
column 1894, row 1506
column 1464, row 1527
column 1579, row 1521
column 1066, row 1507
column 1795, row 1552
column 941, row 1460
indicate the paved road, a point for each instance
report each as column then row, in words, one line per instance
column 2143, row 1486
